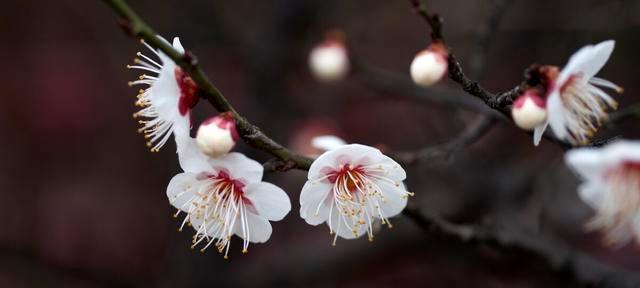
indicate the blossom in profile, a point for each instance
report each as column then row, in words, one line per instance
column 329, row 60
column 225, row 196
column 351, row 186
column 576, row 105
column 167, row 101
column 327, row 142
column 429, row 65
column 217, row 135
column 529, row 110
column 611, row 186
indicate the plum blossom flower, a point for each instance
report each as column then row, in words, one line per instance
column 350, row 187
column 327, row 142
column 167, row 101
column 225, row 196
column 611, row 187
column 576, row 106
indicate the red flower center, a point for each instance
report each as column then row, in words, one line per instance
column 188, row 89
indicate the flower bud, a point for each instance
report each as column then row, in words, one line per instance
column 529, row 110
column 429, row 66
column 329, row 60
column 217, row 135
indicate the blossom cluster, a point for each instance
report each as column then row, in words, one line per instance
column 354, row 188
column 221, row 193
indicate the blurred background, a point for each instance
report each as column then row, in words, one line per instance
column 83, row 202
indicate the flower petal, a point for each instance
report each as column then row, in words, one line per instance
column 327, row 142
column 177, row 45
column 395, row 199
column 356, row 154
column 269, row 200
column 239, row 167
column 587, row 162
column 311, row 210
column 259, row 228
column 191, row 159
column 539, row 132
column 587, row 61
column 181, row 190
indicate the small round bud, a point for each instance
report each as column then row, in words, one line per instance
column 329, row 61
column 529, row 110
column 217, row 135
column 429, row 66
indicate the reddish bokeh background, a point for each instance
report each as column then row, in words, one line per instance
column 83, row 201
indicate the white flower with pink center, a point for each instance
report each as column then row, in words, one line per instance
column 350, row 187
column 166, row 104
column 225, row 196
column 611, row 187
column 576, row 106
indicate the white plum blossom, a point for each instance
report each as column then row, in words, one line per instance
column 350, row 187
column 217, row 135
column 167, row 101
column 225, row 196
column 611, row 187
column 329, row 60
column 576, row 106
column 429, row 65
column 529, row 110
column 327, row 142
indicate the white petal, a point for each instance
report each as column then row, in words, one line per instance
column 355, row 154
column 182, row 188
column 259, row 228
column 623, row 150
column 539, row 132
column 340, row 228
column 395, row 199
column 556, row 115
column 269, row 200
column 177, row 45
column 191, row 159
column 393, row 170
column 588, row 162
column 327, row 142
column 592, row 194
column 239, row 167
column 587, row 61
column 310, row 209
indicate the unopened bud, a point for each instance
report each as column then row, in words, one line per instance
column 529, row 110
column 329, row 60
column 429, row 65
column 217, row 135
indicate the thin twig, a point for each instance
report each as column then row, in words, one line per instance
column 251, row 134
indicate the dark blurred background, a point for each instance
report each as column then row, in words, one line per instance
column 83, row 202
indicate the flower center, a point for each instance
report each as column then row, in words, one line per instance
column 219, row 205
column 188, row 88
column 585, row 106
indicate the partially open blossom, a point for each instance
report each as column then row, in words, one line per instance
column 225, row 196
column 217, row 135
column 166, row 104
column 611, row 187
column 576, row 106
column 329, row 60
column 429, row 65
column 350, row 187
column 529, row 110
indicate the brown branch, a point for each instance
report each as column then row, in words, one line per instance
column 529, row 245
column 251, row 134
column 468, row 136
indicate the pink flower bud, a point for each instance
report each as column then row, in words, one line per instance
column 329, row 60
column 217, row 135
column 429, row 65
column 529, row 110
